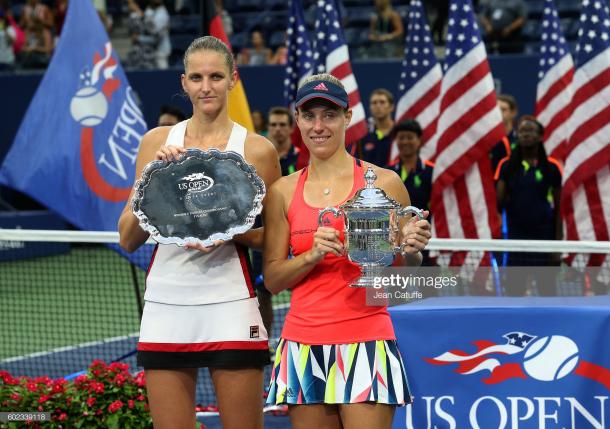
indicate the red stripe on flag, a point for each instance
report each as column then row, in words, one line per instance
column 556, row 121
column 557, row 87
column 466, row 216
column 440, row 215
column 462, row 86
column 355, row 132
column 600, row 227
column 429, row 131
column 587, row 168
column 353, row 99
column 425, row 100
column 466, row 121
column 590, row 126
column 477, row 151
column 342, row 71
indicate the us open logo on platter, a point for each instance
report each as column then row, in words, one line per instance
column 196, row 182
column 112, row 126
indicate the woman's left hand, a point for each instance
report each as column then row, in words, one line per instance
column 415, row 235
column 202, row 248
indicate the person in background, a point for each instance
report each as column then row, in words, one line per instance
column 258, row 54
column 7, row 37
column 529, row 187
column 415, row 173
column 386, row 31
column 36, row 10
column 38, row 47
column 502, row 23
column 150, row 35
column 227, row 21
column 329, row 322
column 508, row 107
column 259, row 122
column 170, row 115
column 376, row 145
column 280, row 55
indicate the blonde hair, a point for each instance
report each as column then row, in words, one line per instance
column 210, row 43
column 325, row 77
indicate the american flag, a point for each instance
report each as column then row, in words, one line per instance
column 554, row 92
column 420, row 80
column 300, row 54
column 463, row 195
column 585, row 197
column 332, row 56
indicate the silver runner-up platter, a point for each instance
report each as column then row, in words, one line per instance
column 372, row 228
column 203, row 197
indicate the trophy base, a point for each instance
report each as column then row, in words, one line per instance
column 367, row 279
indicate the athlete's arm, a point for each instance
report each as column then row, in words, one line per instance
column 261, row 153
column 280, row 272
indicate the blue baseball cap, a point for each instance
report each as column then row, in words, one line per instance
column 322, row 89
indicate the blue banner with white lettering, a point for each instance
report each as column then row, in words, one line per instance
column 514, row 363
column 76, row 148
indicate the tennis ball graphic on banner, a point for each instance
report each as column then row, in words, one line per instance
column 89, row 106
column 550, row 358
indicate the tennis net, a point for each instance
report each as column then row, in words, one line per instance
column 70, row 297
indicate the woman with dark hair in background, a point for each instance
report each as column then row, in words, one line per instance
column 528, row 187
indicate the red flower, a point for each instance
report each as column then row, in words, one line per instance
column 118, row 367
column 62, row 417
column 44, row 380
column 43, row 399
column 16, row 397
column 140, row 379
column 91, row 400
column 58, row 388
column 98, row 363
column 119, row 379
column 32, row 387
column 83, row 378
column 96, row 387
column 115, row 406
column 131, row 404
column 141, row 397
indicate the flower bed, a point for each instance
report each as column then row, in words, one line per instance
column 107, row 396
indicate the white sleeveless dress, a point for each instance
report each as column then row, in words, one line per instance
column 200, row 309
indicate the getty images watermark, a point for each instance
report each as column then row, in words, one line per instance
column 399, row 285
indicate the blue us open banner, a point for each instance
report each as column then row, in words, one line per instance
column 76, row 148
column 514, row 363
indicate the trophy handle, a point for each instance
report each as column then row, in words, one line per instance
column 405, row 211
column 411, row 210
column 336, row 212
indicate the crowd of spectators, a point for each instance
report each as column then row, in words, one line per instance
column 158, row 30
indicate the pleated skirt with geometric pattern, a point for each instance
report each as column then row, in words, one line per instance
column 371, row 371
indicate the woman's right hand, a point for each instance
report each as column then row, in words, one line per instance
column 325, row 240
column 169, row 153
